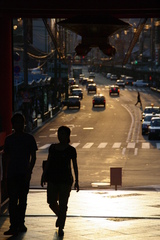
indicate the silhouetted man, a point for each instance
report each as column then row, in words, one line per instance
column 19, row 158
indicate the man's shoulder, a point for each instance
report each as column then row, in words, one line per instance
column 72, row 149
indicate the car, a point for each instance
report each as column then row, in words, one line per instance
column 154, row 128
column 140, row 83
column 113, row 77
column 151, row 109
column 98, row 99
column 123, row 77
column 77, row 92
column 120, row 83
column 146, row 122
column 73, row 101
column 108, row 75
column 75, row 86
column 114, row 89
column 91, row 75
column 81, row 76
column 92, row 87
column 88, row 82
column 71, row 81
column 129, row 80
column 84, row 81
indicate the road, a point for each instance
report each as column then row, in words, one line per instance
column 106, row 138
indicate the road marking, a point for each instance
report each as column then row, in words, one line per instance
column 53, row 135
column 131, row 126
column 145, row 145
column 131, row 145
column 88, row 145
column 75, row 145
column 116, row 145
column 158, row 145
column 88, row 128
column 135, row 151
column 102, row 145
column 45, row 146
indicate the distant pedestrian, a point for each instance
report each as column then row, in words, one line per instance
column 138, row 99
column 19, row 159
column 59, row 176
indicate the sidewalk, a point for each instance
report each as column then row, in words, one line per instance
column 93, row 214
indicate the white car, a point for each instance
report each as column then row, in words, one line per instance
column 151, row 109
column 140, row 83
column 146, row 122
column 113, row 77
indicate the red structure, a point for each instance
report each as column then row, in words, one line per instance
column 5, row 77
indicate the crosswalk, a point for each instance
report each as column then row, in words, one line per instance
column 105, row 145
column 127, row 88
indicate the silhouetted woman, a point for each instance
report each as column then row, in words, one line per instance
column 59, row 176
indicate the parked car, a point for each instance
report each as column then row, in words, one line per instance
column 154, row 128
column 129, row 80
column 92, row 87
column 120, row 83
column 113, row 77
column 98, row 99
column 77, row 92
column 140, row 83
column 73, row 101
column 114, row 89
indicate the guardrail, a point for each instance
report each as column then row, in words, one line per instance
column 43, row 118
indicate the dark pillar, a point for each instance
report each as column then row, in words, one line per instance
column 6, row 74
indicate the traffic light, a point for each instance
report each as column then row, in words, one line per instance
column 150, row 78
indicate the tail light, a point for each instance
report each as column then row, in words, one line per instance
column 104, row 100
column 93, row 101
column 118, row 90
